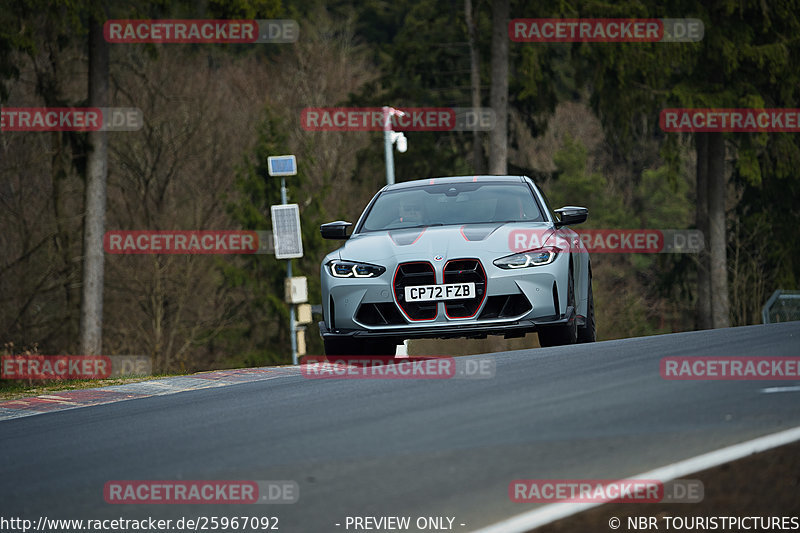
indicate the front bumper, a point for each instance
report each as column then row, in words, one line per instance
column 345, row 300
column 515, row 328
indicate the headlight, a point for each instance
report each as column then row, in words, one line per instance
column 540, row 257
column 351, row 269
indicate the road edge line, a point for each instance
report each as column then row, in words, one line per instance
column 527, row 521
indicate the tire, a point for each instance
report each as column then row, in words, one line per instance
column 350, row 346
column 587, row 333
column 566, row 334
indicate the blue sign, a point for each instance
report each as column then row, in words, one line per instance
column 282, row 165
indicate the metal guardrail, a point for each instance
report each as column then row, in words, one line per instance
column 782, row 306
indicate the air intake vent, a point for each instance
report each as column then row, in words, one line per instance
column 380, row 314
column 505, row 306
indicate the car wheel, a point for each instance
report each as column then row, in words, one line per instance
column 351, row 346
column 587, row 332
column 566, row 334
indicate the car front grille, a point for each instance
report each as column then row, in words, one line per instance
column 410, row 274
column 465, row 271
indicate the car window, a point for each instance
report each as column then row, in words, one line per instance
column 452, row 203
column 548, row 206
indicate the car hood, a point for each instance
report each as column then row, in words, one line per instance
column 431, row 241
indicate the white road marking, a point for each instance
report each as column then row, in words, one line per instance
column 556, row 511
column 772, row 390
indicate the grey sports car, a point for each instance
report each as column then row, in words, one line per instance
column 454, row 257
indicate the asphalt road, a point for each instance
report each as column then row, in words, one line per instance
column 444, row 448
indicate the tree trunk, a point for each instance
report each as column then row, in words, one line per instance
column 95, row 204
column 475, row 83
column 703, row 259
column 498, row 96
column 717, row 191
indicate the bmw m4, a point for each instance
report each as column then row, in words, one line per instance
column 456, row 257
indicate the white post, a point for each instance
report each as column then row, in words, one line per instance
column 292, row 329
column 387, row 149
column 387, row 144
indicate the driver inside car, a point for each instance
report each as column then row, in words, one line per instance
column 412, row 213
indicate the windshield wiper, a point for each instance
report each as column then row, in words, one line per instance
column 416, row 227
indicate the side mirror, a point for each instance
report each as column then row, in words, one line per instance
column 571, row 215
column 335, row 230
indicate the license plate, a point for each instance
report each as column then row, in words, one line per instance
column 447, row 291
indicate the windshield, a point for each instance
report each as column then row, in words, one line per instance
column 453, row 203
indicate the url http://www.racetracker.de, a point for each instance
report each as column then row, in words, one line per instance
column 44, row 524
